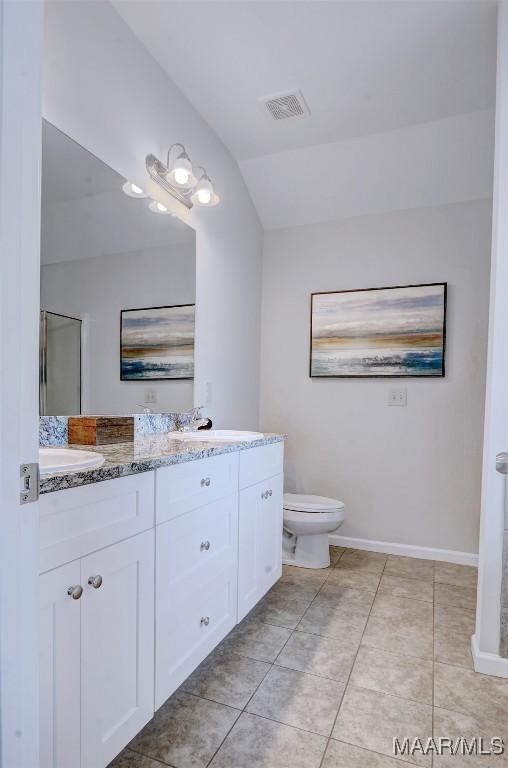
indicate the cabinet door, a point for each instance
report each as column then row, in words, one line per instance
column 59, row 668
column 117, row 647
column 196, row 581
column 259, row 541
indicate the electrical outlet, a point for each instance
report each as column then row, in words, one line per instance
column 398, row 396
column 150, row 396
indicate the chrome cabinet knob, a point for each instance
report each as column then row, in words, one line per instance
column 205, row 482
column 270, row 492
column 95, row 581
column 75, row 591
column 205, row 621
column 205, row 546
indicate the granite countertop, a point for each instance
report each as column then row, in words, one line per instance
column 144, row 455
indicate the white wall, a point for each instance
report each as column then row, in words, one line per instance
column 408, row 475
column 96, row 290
column 102, row 88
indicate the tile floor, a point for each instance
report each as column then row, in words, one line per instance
column 328, row 668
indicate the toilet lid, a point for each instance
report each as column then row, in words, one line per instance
column 304, row 503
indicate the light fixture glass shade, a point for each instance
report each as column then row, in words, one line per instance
column 181, row 173
column 132, row 190
column 204, row 193
column 157, row 207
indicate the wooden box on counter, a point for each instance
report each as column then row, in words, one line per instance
column 100, row 430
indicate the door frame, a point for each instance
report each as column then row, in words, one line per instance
column 21, row 39
column 486, row 640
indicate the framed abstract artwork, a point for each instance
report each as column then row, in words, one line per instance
column 157, row 343
column 371, row 332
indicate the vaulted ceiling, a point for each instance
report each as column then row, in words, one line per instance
column 365, row 68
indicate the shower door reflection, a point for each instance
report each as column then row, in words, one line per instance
column 60, row 365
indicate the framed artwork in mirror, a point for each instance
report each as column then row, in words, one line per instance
column 378, row 332
column 157, row 343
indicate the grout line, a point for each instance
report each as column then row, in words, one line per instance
column 352, row 667
column 292, row 630
column 244, row 709
column 272, row 664
column 142, row 754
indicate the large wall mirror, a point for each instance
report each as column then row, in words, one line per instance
column 118, row 292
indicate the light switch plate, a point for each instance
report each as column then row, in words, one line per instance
column 397, row 396
column 150, row 396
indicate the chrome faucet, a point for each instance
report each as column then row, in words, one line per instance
column 196, row 420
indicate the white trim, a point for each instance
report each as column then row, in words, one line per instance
column 488, row 663
column 21, row 33
column 410, row 550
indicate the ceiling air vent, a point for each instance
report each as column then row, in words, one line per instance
column 284, row 105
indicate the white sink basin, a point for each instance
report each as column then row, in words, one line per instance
column 67, row 460
column 221, row 435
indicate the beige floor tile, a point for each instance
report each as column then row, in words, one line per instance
column 455, row 725
column 451, row 595
column 342, row 755
column 462, row 690
column 280, row 609
column 373, row 720
column 258, row 743
column 297, row 699
column 453, row 648
column 449, row 618
column 256, row 640
column 303, row 590
column 410, row 568
column 362, row 560
column 335, row 553
column 186, row 731
column 351, row 577
column 129, row 759
column 226, row 678
column 403, row 612
column 324, row 656
column 398, row 586
column 406, row 640
column 345, row 598
column 459, row 575
column 342, row 624
column 392, row 673
column 295, row 575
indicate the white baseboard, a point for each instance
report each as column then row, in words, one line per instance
column 488, row 663
column 409, row 550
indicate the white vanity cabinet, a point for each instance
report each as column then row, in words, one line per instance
column 196, row 565
column 141, row 578
column 59, row 667
column 96, row 633
column 259, row 524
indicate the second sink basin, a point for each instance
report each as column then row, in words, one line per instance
column 221, row 435
column 67, row 460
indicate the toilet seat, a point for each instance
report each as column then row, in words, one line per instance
column 297, row 502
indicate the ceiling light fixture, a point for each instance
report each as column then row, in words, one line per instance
column 132, row 190
column 204, row 193
column 178, row 177
column 158, row 207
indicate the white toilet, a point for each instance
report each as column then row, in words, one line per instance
column 307, row 522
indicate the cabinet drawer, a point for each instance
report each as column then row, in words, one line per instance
column 77, row 521
column 183, row 487
column 190, row 624
column 256, row 464
column 198, row 543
